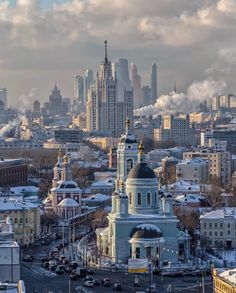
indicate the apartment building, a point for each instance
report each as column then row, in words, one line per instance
column 218, row 228
column 219, row 162
column 194, row 170
column 175, row 129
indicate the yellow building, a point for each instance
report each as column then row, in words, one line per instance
column 25, row 219
column 224, row 280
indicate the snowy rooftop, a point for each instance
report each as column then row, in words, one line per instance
column 196, row 161
column 99, row 183
column 229, row 275
column 184, row 185
column 24, row 189
column 6, row 204
column 97, row 197
column 221, row 214
column 189, row 198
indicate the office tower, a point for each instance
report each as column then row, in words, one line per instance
column 154, row 83
column 136, row 84
column 3, row 96
column 146, row 95
column 104, row 113
column 55, row 102
column 36, row 107
column 88, row 81
column 79, row 92
column 120, row 70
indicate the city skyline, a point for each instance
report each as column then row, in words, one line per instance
column 68, row 36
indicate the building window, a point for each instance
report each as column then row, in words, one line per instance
column 148, row 252
column 137, row 252
column 221, row 233
column 221, row 225
column 215, row 225
column 155, row 198
column 210, row 233
column 139, row 200
column 228, row 232
column 205, row 225
column 228, row 225
column 148, row 199
column 130, row 198
column 215, row 233
column 129, row 165
column 210, row 225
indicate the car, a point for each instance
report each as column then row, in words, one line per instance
column 73, row 264
column 59, row 269
column 90, row 272
column 28, row 258
column 65, row 261
column 68, row 270
column 106, row 282
column 96, row 282
column 117, row 287
column 45, row 264
column 73, row 277
column 88, row 278
column 88, row 284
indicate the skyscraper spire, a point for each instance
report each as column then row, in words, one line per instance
column 105, row 43
column 174, row 86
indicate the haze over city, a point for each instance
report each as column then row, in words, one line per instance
column 47, row 41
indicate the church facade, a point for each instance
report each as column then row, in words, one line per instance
column 141, row 223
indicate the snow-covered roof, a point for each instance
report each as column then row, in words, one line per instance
column 7, row 204
column 97, row 197
column 184, row 185
column 189, row 198
column 65, row 185
column 68, row 202
column 229, row 275
column 24, row 189
column 221, row 214
column 195, row 161
column 103, row 183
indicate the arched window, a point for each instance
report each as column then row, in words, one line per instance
column 130, row 198
column 148, row 199
column 139, row 200
column 129, row 165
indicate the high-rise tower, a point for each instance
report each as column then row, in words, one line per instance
column 154, row 83
column 104, row 113
column 136, row 84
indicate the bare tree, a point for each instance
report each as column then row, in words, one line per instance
column 213, row 194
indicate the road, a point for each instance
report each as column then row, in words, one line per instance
column 37, row 277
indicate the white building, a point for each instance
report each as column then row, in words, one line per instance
column 218, row 228
column 195, row 170
column 9, row 254
column 65, row 196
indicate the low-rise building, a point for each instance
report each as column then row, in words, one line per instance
column 218, row 228
column 73, row 135
column 224, row 280
column 195, row 170
column 25, row 219
column 13, row 172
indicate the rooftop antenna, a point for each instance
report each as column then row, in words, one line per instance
column 174, row 86
column 105, row 43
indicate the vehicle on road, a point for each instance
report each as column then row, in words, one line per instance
column 73, row 277
column 73, row 264
column 60, row 269
column 90, row 272
column 81, row 272
column 106, row 282
column 96, row 282
column 117, row 287
column 88, row 284
column 88, row 278
column 28, row 258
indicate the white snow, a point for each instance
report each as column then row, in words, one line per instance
column 148, row 227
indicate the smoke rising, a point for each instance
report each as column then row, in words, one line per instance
column 174, row 102
column 24, row 104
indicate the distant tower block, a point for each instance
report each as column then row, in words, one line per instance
column 154, row 83
column 113, row 158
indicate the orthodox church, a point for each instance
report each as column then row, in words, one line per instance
column 141, row 223
column 64, row 198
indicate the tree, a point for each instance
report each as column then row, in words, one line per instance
column 213, row 194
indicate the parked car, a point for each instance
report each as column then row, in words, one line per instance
column 59, row 269
column 65, row 261
column 81, row 272
column 90, row 272
column 88, row 284
column 96, row 282
column 117, row 287
column 88, row 278
column 106, row 282
column 73, row 264
column 73, row 277
column 28, row 258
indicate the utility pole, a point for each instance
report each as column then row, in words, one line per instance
column 69, row 286
column 203, row 284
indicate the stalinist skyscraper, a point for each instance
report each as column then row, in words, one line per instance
column 104, row 112
column 154, row 83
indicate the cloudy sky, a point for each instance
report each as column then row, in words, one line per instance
column 43, row 41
